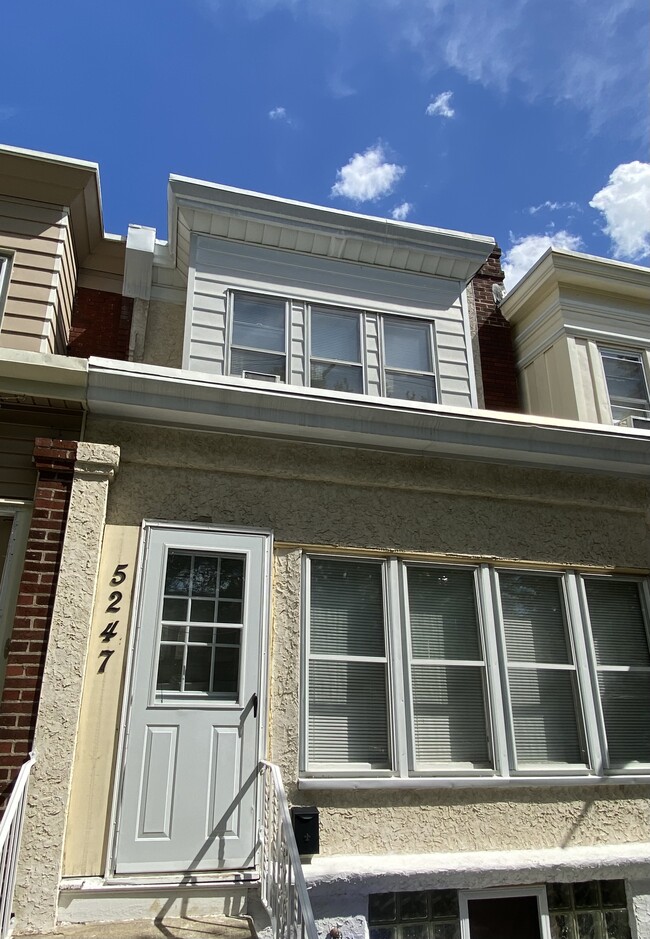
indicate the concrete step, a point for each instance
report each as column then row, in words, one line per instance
column 197, row 927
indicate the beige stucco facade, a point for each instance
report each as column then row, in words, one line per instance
column 343, row 499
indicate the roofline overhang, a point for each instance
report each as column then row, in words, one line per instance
column 57, row 180
column 338, row 223
column 557, row 268
column 186, row 400
column 42, row 375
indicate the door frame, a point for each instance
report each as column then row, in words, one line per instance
column 20, row 511
column 536, row 890
column 131, row 651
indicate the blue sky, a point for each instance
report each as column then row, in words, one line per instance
column 526, row 120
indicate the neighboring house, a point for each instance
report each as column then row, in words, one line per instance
column 332, row 541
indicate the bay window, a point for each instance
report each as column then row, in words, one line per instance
column 423, row 669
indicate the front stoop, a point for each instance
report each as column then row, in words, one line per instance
column 196, row 927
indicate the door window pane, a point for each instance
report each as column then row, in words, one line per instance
column 201, row 659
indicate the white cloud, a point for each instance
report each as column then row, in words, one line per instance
column 441, row 106
column 553, row 207
column 278, row 114
column 402, row 211
column 367, row 176
column 625, row 203
column 525, row 251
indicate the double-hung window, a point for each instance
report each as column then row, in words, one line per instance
column 258, row 342
column 336, row 352
column 437, row 670
column 408, row 360
column 626, row 383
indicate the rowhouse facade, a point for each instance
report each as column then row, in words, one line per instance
column 307, row 523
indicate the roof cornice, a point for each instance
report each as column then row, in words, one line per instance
column 462, row 253
column 57, row 180
column 557, row 269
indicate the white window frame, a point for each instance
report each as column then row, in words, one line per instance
column 631, row 354
column 257, row 295
column 503, row 893
column 435, row 373
column 20, row 513
column 6, row 263
column 404, row 770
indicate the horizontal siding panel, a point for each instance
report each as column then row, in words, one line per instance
column 321, row 278
column 37, row 246
column 445, row 354
column 31, row 211
column 455, row 399
column 30, row 229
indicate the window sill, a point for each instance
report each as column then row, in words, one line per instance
column 465, row 782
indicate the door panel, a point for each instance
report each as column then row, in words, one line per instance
column 189, row 781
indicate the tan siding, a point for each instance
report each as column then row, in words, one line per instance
column 17, row 432
column 38, row 307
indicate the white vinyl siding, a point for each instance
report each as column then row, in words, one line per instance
column 221, row 270
column 502, row 672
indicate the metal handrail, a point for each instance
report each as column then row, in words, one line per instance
column 11, row 828
column 283, row 886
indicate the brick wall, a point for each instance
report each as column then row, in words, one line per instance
column 101, row 324
column 54, row 461
column 496, row 350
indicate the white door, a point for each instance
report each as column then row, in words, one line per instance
column 188, row 794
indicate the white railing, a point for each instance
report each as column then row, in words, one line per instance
column 11, row 828
column 283, row 888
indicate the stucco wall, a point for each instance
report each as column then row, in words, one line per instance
column 312, row 495
column 163, row 343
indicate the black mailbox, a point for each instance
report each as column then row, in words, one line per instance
column 305, row 828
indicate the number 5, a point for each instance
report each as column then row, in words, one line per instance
column 118, row 575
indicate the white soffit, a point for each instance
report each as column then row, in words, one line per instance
column 254, row 218
column 193, row 400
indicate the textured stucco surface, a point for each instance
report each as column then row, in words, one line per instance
column 40, row 859
column 638, row 896
column 163, row 344
column 310, row 495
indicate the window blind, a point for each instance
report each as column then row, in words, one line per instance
column 544, row 705
column 620, row 642
column 348, row 701
column 447, row 670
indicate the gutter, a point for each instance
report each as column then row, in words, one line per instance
column 199, row 401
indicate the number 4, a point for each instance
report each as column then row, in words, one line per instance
column 109, row 631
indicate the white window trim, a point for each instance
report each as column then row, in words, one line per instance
column 230, row 324
column 6, row 264
column 499, row 893
column 364, row 313
column 642, row 356
column 403, row 774
column 21, row 513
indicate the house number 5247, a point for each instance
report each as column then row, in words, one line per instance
column 113, row 606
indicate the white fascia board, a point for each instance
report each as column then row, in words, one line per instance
column 467, row 869
column 242, row 203
column 43, row 375
column 191, row 400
